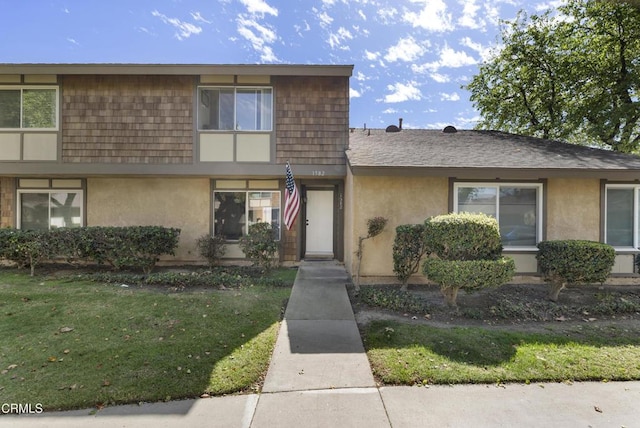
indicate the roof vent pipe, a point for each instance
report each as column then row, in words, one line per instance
column 449, row 129
column 400, row 124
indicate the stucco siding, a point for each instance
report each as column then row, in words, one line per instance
column 573, row 209
column 182, row 203
column 402, row 200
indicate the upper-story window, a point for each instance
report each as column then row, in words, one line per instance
column 28, row 107
column 235, row 109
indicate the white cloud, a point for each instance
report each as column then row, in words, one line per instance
column 184, row 30
column 259, row 7
column 354, row 93
column 259, row 36
column 336, row 39
column 325, row 19
column 360, row 76
column 440, row 78
column 73, row 41
column 198, row 17
column 387, row 15
column 403, row 92
column 449, row 97
column 469, row 18
column 433, row 16
column 390, row 111
column 485, row 52
column 302, row 28
column 405, row 50
column 362, row 15
column 449, row 58
column 371, row 56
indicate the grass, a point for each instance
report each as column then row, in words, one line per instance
column 403, row 354
column 69, row 344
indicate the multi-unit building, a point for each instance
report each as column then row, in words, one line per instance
column 203, row 148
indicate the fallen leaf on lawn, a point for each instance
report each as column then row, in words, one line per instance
column 66, row 351
column 53, row 359
column 106, row 383
column 205, row 395
column 561, row 319
column 66, row 329
column 12, row 366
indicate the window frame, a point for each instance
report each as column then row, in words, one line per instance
column 202, row 101
column 22, row 88
column 49, row 191
column 497, row 185
column 245, row 226
column 636, row 215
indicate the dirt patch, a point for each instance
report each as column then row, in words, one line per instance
column 521, row 307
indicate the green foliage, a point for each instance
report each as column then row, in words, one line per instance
column 211, row 247
column 463, row 236
column 25, row 247
column 260, row 245
column 394, row 300
column 575, row 79
column 575, row 261
column 409, row 247
column 375, row 226
column 469, row 274
column 133, row 247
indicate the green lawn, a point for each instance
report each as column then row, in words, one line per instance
column 403, row 354
column 81, row 344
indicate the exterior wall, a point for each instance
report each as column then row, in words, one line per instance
column 127, row 119
column 402, row 200
column 573, row 209
column 170, row 202
column 311, row 119
column 7, row 202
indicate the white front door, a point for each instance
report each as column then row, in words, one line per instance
column 319, row 232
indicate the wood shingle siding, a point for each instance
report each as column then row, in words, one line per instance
column 127, row 119
column 312, row 119
column 7, row 195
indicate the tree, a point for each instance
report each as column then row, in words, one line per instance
column 575, row 78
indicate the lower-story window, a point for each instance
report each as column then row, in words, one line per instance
column 44, row 210
column 621, row 214
column 516, row 206
column 235, row 211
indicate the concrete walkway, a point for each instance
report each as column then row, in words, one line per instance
column 319, row 377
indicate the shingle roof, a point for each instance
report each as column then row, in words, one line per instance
column 421, row 148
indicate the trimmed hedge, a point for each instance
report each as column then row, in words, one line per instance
column 463, row 236
column 260, row 245
column 469, row 274
column 133, row 247
column 574, row 262
column 409, row 247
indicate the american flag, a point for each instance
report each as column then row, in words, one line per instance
column 291, row 199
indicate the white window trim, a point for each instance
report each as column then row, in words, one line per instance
column 246, row 208
column 48, row 190
column 235, row 109
column 539, row 207
column 636, row 206
column 22, row 88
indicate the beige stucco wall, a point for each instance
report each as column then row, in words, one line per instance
column 402, row 200
column 171, row 202
column 573, row 209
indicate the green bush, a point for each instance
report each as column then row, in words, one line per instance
column 135, row 246
column 469, row 275
column 574, row 262
column 211, row 247
column 260, row 245
column 409, row 247
column 26, row 247
column 463, row 236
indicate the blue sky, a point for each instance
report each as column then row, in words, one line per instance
column 411, row 57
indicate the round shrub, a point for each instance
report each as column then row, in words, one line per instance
column 408, row 249
column 463, row 236
column 469, row 275
column 260, row 245
column 574, row 262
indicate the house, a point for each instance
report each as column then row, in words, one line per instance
column 537, row 189
column 203, row 148
column 199, row 147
